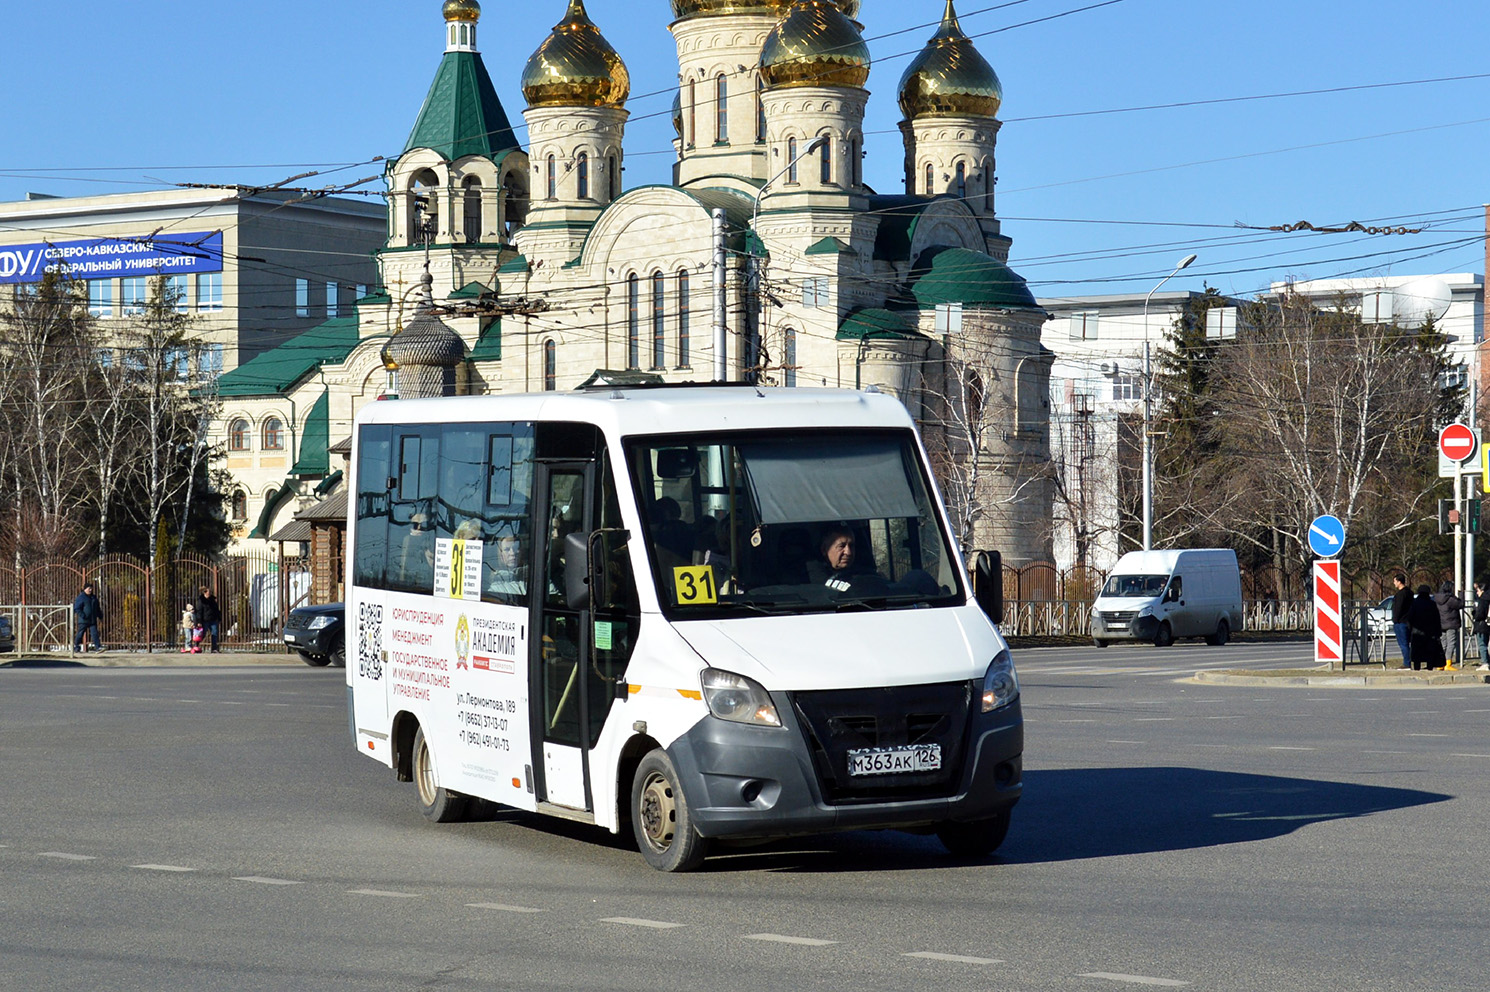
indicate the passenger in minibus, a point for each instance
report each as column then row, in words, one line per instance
column 416, row 562
column 509, row 578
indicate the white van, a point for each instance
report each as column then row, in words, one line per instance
column 1160, row 595
column 699, row 614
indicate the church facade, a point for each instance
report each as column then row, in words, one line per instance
column 513, row 267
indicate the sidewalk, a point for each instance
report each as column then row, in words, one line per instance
column 1358, row 677
column 157, row 659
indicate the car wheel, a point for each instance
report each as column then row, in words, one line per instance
column 1165, row 637
column 313, row 660
column 339, row 654
column 661, row 819
column 975, row 839
column 435, row 801
column 1099, row 642
column 1221, row 636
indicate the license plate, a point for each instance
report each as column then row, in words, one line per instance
column 289, row 638
column 895, row 760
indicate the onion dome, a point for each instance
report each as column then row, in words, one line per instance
column 426, row 340
column 462, row 10
column 678, row 112
column 575, row 67
column 949, row 78
column 690, row 8
column 815, row 44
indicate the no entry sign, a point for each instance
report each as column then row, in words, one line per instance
column 1457, row 443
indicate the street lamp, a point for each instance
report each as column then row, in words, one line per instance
column 758, row 260
column 1148, row 406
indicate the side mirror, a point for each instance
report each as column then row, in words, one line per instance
column 577, row 570
column 988, row 584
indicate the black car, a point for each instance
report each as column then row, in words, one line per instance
column 7, row 634
column 316, row 632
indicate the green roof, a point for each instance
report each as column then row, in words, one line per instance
column 470, row 291
column 518, row 263
column 830, row 246
column 461, row 114
column 315, row 438
column 957, row 275
column 898, row 215
column 278, row 369
column 489, row 344
column 272, row 503
column 872, row 323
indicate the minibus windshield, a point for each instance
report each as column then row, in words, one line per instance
column 800, row 522
column 1135, row 585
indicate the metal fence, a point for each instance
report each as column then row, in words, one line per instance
column 142, row 605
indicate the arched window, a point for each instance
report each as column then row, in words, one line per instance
column 274, row 434
column 659, row 322
column 472, row 212
column 988, row 182
column 683, row 318
column 692, row 136
column 721, row 110
column 825, row 163
column 238, row 435
column 550, row 365
column 633, row 318
column 962, row 180
column 791, row 160
column 855, row 162
column 422, row 213
column 552, row 183
column 582, row 181
column 930, row 176
column 973, row 395
column 612, row 184
column 238, row 505
column 760, row 109
column 789, row 356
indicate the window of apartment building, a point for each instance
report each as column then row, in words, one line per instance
column 274, row 434
column 333, row 299
column 302, row 297
column 1126, row 387
column 815, row 291
column 238, row 435
column 209, row 291
column 133, row 293
column 101, row 297
column 361, row 291
column 1454, row 377
column 683, row 319
column 177, row 362
column 239, row 505
column 209, row 360
column 173, row 292
column 1083, row 327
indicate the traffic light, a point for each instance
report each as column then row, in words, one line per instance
column 1449, row 518
column 1472, row 516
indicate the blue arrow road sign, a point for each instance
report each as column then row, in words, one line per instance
column 1326, row 536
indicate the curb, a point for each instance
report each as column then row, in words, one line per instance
column 1374, row 680
column 158, row 659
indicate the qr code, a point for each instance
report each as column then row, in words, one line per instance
column 370, row 641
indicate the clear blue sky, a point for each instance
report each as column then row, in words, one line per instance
column 103, row 96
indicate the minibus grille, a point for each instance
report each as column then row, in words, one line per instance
column 836, row 721
column 1119, row 616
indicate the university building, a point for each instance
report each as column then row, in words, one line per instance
column 512, row 266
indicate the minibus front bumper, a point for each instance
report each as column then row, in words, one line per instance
column 1139, row 628
column 750, row 782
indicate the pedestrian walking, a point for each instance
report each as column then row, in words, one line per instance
column 1481, row 628
column 208, row 614
column 1401, row 600
column 1451, row 619
column 1425, row 631
column 86, row 613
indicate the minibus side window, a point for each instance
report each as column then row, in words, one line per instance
column 616, row 613
column 506, row 535
column 415, row 514
column 371, row 555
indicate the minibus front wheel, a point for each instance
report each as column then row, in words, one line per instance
column 437, row 803
column 975, row 839
column 661, row 819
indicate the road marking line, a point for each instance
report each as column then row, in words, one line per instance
column 163, row 867
column 1285, row 747
column 1469, row 756
column 67, row 857
column 265, row 880
column 1132, row 979
column 1125, row 742
column 383, row 893
column 1427, row 735
column 632, row 921
column 1152, row 719
column 1476, row 711
column 1383, row 752
column 1238, row 716
column 1212, row 745
column 503, row 907
column 782, row 939
column 954, row 958
column 1075, row 721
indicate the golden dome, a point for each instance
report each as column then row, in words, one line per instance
column 575, row 67
column 949, row 78
column 462, row 10
column 815, row 44
column 689, row 8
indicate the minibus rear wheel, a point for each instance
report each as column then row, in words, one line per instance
column 661, row 819
column 975, row 839
column 437, row 803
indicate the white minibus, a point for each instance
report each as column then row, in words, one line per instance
column 704, row 614
column 1161, row 595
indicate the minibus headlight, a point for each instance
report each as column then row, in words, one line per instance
column 738, row 699
column 1000, row 685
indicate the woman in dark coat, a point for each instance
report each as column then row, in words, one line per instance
column 1425, row 630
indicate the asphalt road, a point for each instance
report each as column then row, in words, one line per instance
column 213, row 828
